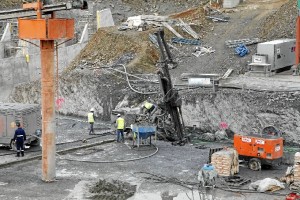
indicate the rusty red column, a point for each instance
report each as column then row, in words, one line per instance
column 297, row 41
column 47, row 30
column 48, row 110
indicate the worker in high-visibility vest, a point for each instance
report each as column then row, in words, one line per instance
column 91, row 120
column 120, row 123
column 149, row 108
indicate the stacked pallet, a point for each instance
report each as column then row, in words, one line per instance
column 297, row 167
column 226, row 162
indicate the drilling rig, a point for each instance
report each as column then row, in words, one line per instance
column 171, row 100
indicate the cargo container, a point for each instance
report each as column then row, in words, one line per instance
column 29, row 116
column 273, row 56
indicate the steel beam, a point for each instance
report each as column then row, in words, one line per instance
column 48, row 111
column 47, row 9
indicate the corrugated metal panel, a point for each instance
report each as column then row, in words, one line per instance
column 29, row 115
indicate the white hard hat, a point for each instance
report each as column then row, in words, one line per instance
column 118, row 115
column 92, row 110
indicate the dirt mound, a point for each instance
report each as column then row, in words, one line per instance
column 10, row 3
column 109, row 45
column 112, row 190
column 281, row 24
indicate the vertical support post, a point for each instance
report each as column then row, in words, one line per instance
column 297, row 51
column 48, row 111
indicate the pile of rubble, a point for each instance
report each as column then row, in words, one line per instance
column 281, row 24
column 112, row 190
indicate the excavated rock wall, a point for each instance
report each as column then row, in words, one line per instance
column 243, row 111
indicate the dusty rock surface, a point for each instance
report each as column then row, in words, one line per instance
column 85, row 86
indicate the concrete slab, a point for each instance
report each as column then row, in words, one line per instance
column 274, row 83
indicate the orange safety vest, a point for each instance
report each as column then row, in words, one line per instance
column 120, row 123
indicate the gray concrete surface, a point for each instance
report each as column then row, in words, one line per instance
column 74, row 178
column 23, row 181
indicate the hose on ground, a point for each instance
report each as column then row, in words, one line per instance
column 114, row 161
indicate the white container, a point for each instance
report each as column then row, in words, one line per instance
column 230, row 3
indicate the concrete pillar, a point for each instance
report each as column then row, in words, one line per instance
column 48, row 111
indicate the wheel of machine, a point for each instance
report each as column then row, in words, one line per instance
column 254, row 164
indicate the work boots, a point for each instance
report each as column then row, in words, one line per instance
column 18, row 154
column 22, row 153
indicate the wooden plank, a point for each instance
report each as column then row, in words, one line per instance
column 227, row 73
column 168, row 26
column 188, row 29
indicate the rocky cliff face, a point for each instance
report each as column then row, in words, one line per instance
column 244, row 111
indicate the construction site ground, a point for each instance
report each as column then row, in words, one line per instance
column 74, row 179
column 155, row 177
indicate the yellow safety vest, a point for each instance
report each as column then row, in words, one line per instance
column 148, row 105
column 120, row 123
column 91, row 117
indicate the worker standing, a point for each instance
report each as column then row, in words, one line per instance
column 120, row 123
column 91, row 120
column 19, row 139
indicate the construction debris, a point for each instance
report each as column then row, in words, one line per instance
column 236, row 181
column 112, row 189
column 292, row 175
column 227, row 73
column 137, row 21
column 202, row 50
column 186, row 76
column 226, row 162
column 236, row 43
column 241, row 50
column 267, row 184
column 218, row 19
column 185, row 41
column 296, row 167
column 188, row 29
column 289, row 176
column 168, row 26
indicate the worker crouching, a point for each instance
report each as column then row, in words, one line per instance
column 19, row 139
column 149, row 108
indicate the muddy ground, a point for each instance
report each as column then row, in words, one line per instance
column 244, row 110
column 170, row 173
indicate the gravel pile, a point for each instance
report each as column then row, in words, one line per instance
column 282, row 24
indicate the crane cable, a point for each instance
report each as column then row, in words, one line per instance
column 127, row 78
